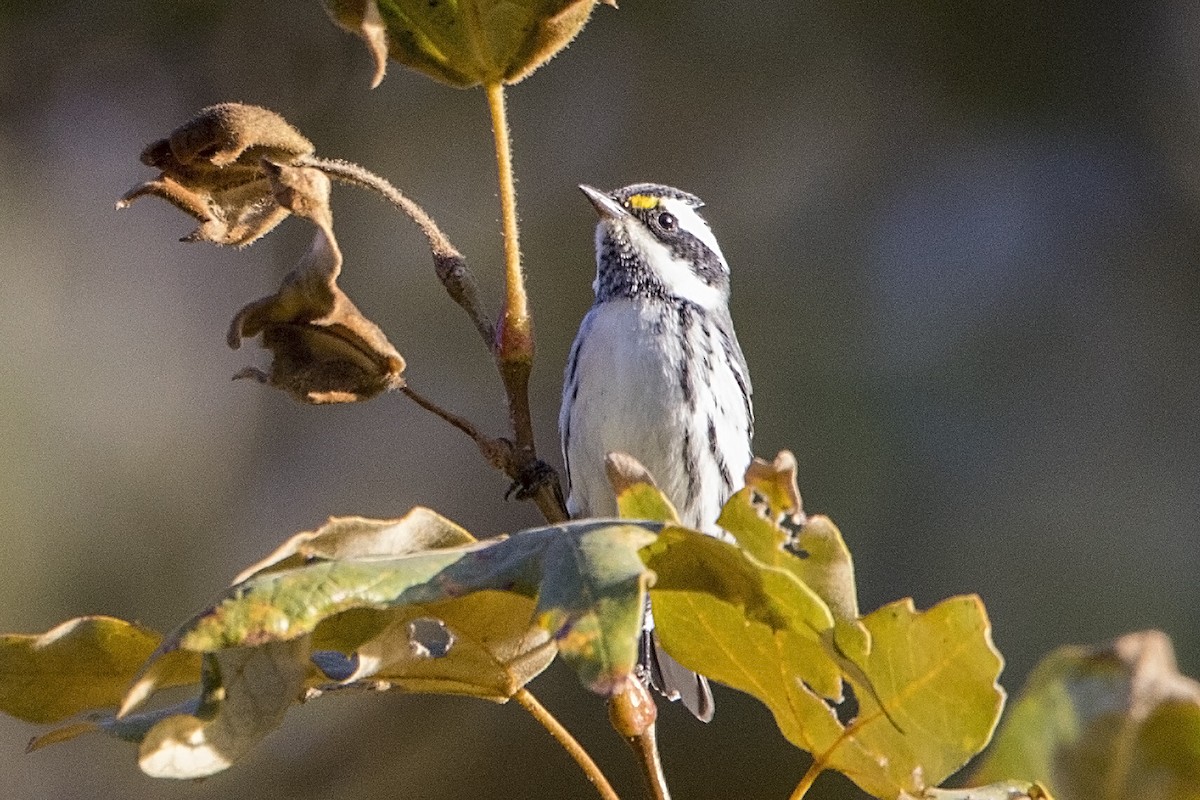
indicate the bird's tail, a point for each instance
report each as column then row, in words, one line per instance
column 675, row 681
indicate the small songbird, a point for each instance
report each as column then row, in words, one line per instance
column 656, row 372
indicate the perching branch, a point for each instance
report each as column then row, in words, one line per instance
column 513, row 348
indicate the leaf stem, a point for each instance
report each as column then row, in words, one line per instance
column 568, row 742
column 810, row 777
column 645, row 747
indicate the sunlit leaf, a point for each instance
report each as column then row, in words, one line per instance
column 638, row 497
column 935, row 673
column 1116, row 720
column 490, row 650
column 722, row 613
column 80, row 665
column 464, row 42
column 816, row 553
column 359, row 537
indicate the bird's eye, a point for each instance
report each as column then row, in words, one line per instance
column 667, row 221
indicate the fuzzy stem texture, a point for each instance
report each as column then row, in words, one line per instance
column 513, row 346
column 514, row 340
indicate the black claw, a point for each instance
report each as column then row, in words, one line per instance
column 533, row 478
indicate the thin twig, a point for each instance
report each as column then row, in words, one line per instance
column 568, row 742
column 448, row 262
column 498, row 452
column 519, row 462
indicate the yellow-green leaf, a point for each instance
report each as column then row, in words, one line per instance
column 1006, row 790
column 816, row 553
column 83, row 664
column 933, row 700
column 490, row 648
column 720, row 612
column 638, row 497
column 246, row 695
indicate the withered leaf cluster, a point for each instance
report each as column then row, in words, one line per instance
column 239, row 170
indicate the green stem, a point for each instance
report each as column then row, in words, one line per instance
column 569, row 743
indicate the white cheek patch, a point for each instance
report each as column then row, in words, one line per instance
column 675, row 274
column 691, row 221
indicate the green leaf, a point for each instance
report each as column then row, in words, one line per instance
column 82, row 664
column 464, row 42
column 1112, row 721
column 586, row 578
column 592, row 597
column 412, row 604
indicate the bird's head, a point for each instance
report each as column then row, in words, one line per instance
column 651, row 242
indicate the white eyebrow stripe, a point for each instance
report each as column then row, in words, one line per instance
column 691, row 221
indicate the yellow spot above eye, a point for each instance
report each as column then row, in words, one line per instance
column 643, row 201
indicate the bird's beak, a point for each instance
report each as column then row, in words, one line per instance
column 606, row 207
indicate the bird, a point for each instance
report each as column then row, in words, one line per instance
column 656, row 371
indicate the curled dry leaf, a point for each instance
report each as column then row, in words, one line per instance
column 465, row 42
column 211, row 169
column 776, row 481
column 325, row 350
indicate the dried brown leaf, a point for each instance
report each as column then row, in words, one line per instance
column 324, row 350
column 211, row 169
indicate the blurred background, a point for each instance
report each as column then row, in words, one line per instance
column 964, row 245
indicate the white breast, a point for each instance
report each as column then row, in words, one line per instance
column 627, row 395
